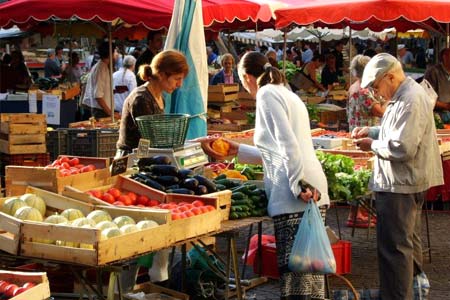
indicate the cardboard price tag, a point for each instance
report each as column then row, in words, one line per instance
column 119, row 165
column 143, row 148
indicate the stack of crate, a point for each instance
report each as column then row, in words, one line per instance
column 222, row 97
column 22, row 141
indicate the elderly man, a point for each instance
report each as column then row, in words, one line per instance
column 407, row 164
column 439, row 78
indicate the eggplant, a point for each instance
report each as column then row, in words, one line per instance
column 154, row 160
column 167, row 180
column 181, row 191
column 185, row 173
column 211, row 186
column 190, row 183
column 201, row 190
column 149, row 182
column 162, row 170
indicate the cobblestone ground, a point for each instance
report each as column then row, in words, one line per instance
column 364, row 272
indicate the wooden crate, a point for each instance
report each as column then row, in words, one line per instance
column 223, row 92
column 41, row 290
column 22, row 133
column 327, row 117
column 28, row 234
column 11, row 228
column 224, row 202
column 19, row 177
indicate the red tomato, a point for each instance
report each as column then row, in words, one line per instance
column 204, row 209
column 125, row 200
column 183, row 208
column 108, row 198
column 189, row 206
column 65, row 165
column 63, row 159
column 175, row 211
column 28, row 285
column 198, row 203
column 132, row 196
column 92, row 167
column 182, row 203
column 118, row 203
column 196, row 210
column 79, row 166
column 55, row 163
column 210, row 207
column 188, row 214
column 95, row 193
column 64, row 172
column 9, row 289
column 142, row 200
column 165, row 206
column 74, row 171
column 153, row 202
column 176, row 216
column 74, row 161
column 85, row 169
column 18, row 291
column 3, row 285
column 114, row 191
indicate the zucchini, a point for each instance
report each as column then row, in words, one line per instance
column 238, row 196
column 242, row 188
column 220, row 177
column 226, row 182
column 234, row 215
column 240, row 202
column 220, row 187
column 250, row 186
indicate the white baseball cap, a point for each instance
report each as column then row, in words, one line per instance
column 401, row 46
column 376, row 67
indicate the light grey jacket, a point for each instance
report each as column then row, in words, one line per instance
column 407, row 152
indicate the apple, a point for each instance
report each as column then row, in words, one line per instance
column 3, row 285
column 18, row 291
column 10, row 289
column 28, row 285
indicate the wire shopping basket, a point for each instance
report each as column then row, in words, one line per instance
column 164, row 130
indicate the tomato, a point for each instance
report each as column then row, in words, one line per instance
column 182, row 203
column 9, row 289
column 210, row 207
column 204, row 209
column 115, row 192
column 183, row 208
column 3, row 285
column 74, row 161
column 85, row 169
column 64, row 172
column 95, row 193
column 63, row 159
column 74, row 171
column 79, row 166
column 108, row 198
column 165, row 206
column 125, row 200
column 176, row 216
column 142, row 200
column 188, row 214
column 153, row 202
column 92, row 167
column 198, row 203
column 175, row 211
column 189, row 206
column 19, row 290
column 55, row 163
column 132, row 196
column 118, row 203
column 65, row 165
column 196, row 210
column 28, row 285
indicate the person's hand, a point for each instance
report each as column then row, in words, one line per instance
column 206, row 143
column 364, row 144
column 360, row 132
column 308, row 194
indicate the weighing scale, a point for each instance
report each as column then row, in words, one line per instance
column 188, row 156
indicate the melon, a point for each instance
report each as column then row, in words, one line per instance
column 83, row 221
column 123, row 220
column 53, row 219
column 106, row 224
column 72, row 214
column 99, row 215
column 110, row 232
column 84, row 245
column 145, row 224
column 29, row 213
column 11, row 205
column 128, row 228
column 35, row 201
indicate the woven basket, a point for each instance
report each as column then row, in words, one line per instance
column 164, row 130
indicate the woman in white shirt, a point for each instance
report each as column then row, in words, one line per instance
column 124, row 82
column 284, row 144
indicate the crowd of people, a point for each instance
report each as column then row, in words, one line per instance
column 389, row 114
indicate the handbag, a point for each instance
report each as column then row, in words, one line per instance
column 311, row 252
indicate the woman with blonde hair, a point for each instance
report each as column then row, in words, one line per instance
column 165, row 74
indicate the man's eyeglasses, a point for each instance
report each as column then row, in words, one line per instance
column 376, row 85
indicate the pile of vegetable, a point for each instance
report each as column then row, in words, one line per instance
column 344, row 183
column 157, row 172
column 247, row 200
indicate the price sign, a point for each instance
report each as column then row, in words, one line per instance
column 142, row 150
column 119, row 165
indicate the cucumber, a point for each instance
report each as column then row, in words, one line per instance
column 221, row 176
column 220, row 187
column 242, row 188
column 238, row 196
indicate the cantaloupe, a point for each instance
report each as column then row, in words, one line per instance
column 110, row 232
column 11, row 205
column 29, row 213
column 128, row 228
column 99, row 216
column 145, row 224
column 35, row 201
column 72, row 214
column 106, row 224
column 83, row 221
column 123, row 220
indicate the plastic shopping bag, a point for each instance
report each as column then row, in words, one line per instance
column 311, row 252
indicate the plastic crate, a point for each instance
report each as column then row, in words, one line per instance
column 29, row 160
column 92, row 142
column 56, row 143
column 269, row 267
column 342, row 251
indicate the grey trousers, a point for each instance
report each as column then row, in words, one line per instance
column 399, row 243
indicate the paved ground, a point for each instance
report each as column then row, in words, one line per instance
column 364, row 274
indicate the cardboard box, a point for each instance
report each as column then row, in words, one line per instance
column 19, row 177
column 41, row 290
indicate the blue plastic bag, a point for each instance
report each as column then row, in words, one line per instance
column 311, row 252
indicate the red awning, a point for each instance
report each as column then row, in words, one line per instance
column 375, row 14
